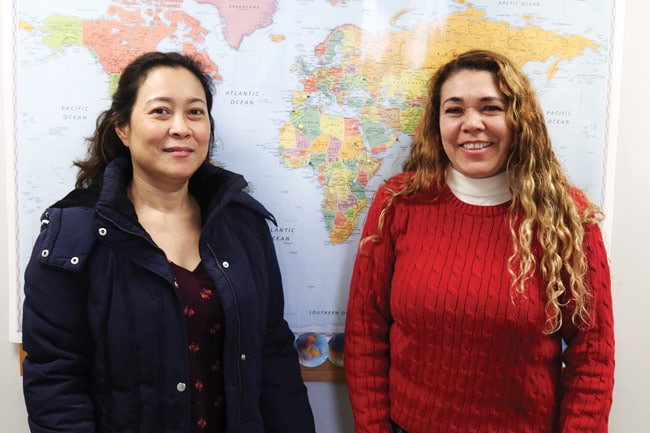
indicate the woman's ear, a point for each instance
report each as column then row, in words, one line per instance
column 122, row 132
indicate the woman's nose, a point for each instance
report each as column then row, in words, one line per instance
column 180, row 126
column 473, row 120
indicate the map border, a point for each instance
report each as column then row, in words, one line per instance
column 8, row 35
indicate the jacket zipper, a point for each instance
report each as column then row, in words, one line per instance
column 238, row 353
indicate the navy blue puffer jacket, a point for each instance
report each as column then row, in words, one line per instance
column 103, row 324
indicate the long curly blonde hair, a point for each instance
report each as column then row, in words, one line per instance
column 543, row 209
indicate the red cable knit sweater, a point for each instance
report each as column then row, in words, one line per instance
column 465, row 354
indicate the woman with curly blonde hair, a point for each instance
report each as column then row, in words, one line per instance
column 480, row 297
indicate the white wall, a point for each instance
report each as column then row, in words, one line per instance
column 630, row 253
column 12, row 411
column 630, row 249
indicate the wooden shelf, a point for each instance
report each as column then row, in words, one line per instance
column 326, row 372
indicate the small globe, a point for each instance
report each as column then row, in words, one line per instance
column 312, row 349
column 336, row 350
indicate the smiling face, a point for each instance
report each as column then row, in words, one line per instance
column 169, row 129
column 474, row 130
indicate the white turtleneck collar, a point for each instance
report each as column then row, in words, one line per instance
column 489, row 191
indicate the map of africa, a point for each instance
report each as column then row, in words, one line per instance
column 315, row 102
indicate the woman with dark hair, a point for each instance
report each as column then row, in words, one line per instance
column 476, row 266
column 153, row 297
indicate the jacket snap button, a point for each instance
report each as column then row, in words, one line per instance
column 45, row 222
column 243, row 357
column 45, row 253
column 74, row 260
column 226, row 265
column 102, row 231
column 181, row 387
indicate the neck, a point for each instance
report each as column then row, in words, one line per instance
column 144, row 194
column 489, row 191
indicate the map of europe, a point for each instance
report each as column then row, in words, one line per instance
column 315, row 102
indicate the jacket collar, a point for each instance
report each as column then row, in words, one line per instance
column 213, row 187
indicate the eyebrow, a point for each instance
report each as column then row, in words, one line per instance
column 170, row 100
column 483, row 99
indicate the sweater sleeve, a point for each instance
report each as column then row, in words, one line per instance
column 588, row 376
column 368, row 324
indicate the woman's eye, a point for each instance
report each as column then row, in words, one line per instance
column 454, row 110
column 196, row 112
column 492, row 108
column 160, row 110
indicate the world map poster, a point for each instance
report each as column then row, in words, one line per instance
column 316, row 102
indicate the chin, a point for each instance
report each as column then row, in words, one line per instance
column 481, row 173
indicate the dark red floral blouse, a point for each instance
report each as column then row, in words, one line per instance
column 205, row 321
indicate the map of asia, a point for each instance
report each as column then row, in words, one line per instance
column 315, row 103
